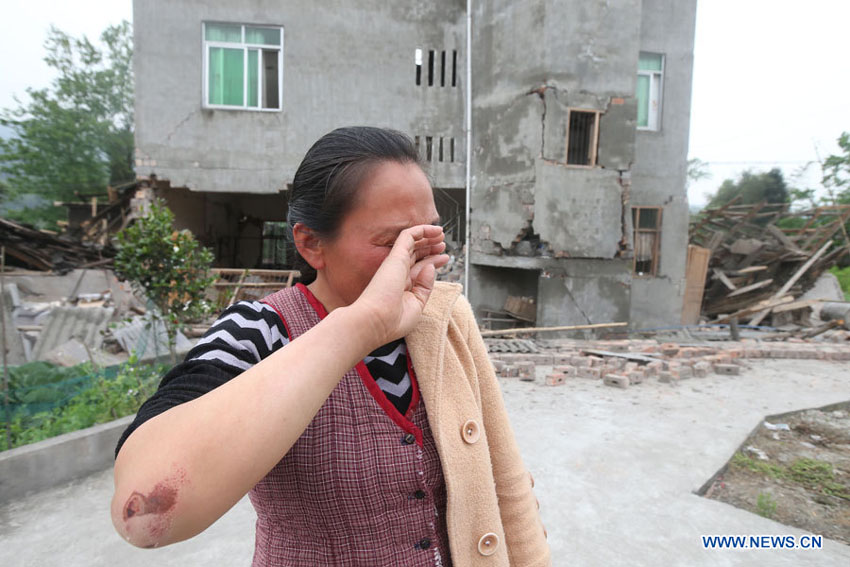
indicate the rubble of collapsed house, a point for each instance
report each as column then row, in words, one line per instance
column 62, row 303
column 763, row 258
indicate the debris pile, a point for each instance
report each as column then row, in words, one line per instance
column 764, row 257
column 46, row 251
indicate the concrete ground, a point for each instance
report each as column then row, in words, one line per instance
column 615, row 473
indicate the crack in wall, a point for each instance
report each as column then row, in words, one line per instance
column 179, row 125
column 541, row 92
column 625, row 181
column 572, row 297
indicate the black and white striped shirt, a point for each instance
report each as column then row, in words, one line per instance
column 244, row 334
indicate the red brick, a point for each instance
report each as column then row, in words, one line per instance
column 594, row 373
column 556, row 379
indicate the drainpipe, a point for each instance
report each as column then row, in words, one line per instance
column 468, row 144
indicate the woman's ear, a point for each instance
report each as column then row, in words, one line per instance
column 309, row 245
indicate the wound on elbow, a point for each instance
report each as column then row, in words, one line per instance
column 159, row 501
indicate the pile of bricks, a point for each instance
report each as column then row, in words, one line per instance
column 610, row 361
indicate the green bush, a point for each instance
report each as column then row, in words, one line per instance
column 168, row 266
column 103, row 399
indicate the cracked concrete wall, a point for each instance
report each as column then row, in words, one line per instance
column 344, row 63
column 584, row 292
column 545, row 58
column 578, row 210
column 659, row 172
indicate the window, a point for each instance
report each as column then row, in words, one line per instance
column 447, row 77
column 582, row 137
column 647, row 225
column 650, row 72
column 243, row 66
column 274, row 244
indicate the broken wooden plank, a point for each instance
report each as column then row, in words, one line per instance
column 783, row 238
column 627, row 356
column 784, row 289
column 749, row 270
column 766, row 304
column 718, row 274
column 796, row 305
column 751, row 287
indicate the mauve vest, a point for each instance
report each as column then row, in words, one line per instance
column 362, row 486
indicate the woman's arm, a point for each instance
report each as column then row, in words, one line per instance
column 180, row 471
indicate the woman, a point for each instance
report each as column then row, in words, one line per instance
column 360, row 411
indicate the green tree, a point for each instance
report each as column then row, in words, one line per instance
column 76, row 136
column 836, row 172
column 168, row 266
column 697, row 170
column 753, row 188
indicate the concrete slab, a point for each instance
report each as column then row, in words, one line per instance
column 615, row 472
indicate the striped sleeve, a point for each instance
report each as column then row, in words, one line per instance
column 244, row 334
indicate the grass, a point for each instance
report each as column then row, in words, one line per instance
column 843, row 276
column 766, row 505
column 812, row 474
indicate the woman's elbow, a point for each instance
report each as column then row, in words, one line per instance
column 144, row 520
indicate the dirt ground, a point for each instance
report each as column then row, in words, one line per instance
column 794, row 469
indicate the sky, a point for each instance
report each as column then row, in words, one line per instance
column 770, row 86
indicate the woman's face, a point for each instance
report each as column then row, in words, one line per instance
column 392, row 197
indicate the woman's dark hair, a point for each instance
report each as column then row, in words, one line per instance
column 325, row 185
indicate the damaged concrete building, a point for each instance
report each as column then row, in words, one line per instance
column 579, row 132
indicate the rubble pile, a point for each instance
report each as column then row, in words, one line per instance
column 764, row 257
column 47, row 251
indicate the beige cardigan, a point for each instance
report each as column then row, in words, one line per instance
column 492, row 514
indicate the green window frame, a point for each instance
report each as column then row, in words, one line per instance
column 243, row 66
column 649, row 90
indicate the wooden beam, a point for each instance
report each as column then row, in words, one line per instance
column 803, row 269
column 751, row 287
column 550, row 329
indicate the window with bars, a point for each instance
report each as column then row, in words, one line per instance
column 649, row 88
column 647, row 232
column 582, row 137
column 243, row 66
column 441, row 68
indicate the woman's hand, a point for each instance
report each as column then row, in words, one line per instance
column 395, row 297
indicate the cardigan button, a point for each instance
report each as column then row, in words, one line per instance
column 419, row 494
column 488, row 543
column 425, row 543
column 409, row 439
column 470, row 431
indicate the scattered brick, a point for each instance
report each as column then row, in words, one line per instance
column 568, row 371
column 667, row 377
column 669, row 349
column 556, row 379
column 701, row 369
column 727, row 369
column 616, row 380
column 594, row 373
